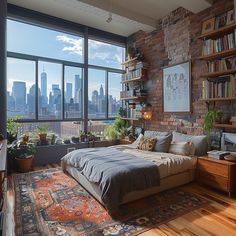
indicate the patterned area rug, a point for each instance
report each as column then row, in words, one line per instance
column 51, row 203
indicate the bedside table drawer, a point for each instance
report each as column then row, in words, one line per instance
column 213, row 180
column 213, row 168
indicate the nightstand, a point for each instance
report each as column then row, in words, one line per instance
column 218, row 174
column 125, row 141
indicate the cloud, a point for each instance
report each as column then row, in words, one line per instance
column 75, row 45
column 107, row 53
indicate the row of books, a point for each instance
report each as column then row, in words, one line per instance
column 218, row 45
column 222, row 64
column 219, row 88
column 134, row 74
column 134, row 112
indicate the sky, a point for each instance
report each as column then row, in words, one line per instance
column 32, row 40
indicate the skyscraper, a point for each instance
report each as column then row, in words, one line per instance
column 78, row 89
column 44, row 89
column 68, row 94
column 19, row 96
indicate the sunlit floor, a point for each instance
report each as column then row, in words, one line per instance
column 217, row 218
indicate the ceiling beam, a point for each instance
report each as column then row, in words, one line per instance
column 116, row 9
column 194, row 6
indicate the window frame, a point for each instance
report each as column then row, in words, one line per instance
column 53, row 23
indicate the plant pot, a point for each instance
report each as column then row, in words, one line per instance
column 43, row 136
column 24, row 165
column 75, row 139
column 25, row 139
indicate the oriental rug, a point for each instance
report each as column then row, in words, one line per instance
column 49, row 202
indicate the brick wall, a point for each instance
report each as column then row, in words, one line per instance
column 175, row 41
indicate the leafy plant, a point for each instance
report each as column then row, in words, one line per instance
column 118, row 130
column 42, row 129
column 211, row 117
column 13, row 125
column 122, row 112
column 22, row 151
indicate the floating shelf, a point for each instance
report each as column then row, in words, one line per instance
column 217, row 55
column 219, row 32
column 129, row 61
column 133, row 80
column 219, row 73
column 131, row 119
column 218, row 99
column 134, row 98
column 225, row 126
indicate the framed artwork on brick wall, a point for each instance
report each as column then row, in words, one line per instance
column 176, row 88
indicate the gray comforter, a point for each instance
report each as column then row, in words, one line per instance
column 115, row 172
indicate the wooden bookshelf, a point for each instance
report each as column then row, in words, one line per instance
column 134, row 98
column 137, row 79
column 225, row 126
column 132, row 60
column 130, row 118
column 219, row 73
column 218, row 55
column 217, row 99
column 218, row 32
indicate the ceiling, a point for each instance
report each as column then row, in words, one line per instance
column 128, row 16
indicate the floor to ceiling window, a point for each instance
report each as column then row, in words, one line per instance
column 45, row 74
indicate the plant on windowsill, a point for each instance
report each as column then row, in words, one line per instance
column 82, row 136
column 212, row 116
column 12, row 128
column 23, row 154
column 42, row 132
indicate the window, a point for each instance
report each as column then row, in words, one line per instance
column 61, row 129
column 104, row 54
column 39, row 41
column 96, row 94
column 50, row 90
column 21, row 88
column 73, row 92
column 114, row 88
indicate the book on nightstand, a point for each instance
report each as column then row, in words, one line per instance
column 217, row 154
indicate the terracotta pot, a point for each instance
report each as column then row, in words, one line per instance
column 43, row 136
column 24, row 165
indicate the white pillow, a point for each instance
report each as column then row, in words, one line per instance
column 182, row 148
column 137, row 141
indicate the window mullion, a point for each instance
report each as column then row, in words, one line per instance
column 36, row 92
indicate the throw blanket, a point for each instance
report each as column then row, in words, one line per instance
column 116, row 172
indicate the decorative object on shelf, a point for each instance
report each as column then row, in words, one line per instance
column 231, row 157
column 211, row 117
column 221, row 21
column 176, row 88
column 131, row 52
column 23, row 153
column 233, row 120
column 208, row 25
column 230, row 17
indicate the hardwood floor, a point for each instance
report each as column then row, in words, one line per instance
column 218, row 218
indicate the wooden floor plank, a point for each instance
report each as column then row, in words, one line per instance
column 215, row 219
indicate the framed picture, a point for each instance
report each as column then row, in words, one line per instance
column 230, row 17
column 221, row 21
column 176, row 88
column 208, row 25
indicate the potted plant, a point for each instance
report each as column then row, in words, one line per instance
column 12, row 128
column 52, row 138
column 82, row 136
column 42, row 132
column 75, row 139
column 23, row 154
column 212, row 116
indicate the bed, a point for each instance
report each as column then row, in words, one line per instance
column 173, row 170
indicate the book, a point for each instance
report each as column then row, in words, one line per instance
column 217, row 154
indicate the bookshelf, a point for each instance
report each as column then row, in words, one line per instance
column 219, row 52
column 133, row 92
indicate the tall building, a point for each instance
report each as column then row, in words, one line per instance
column 78, row 89
column 19, row 96
column 101, row 92
column 44, row 89
column 31, row 99
column 68, row 94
